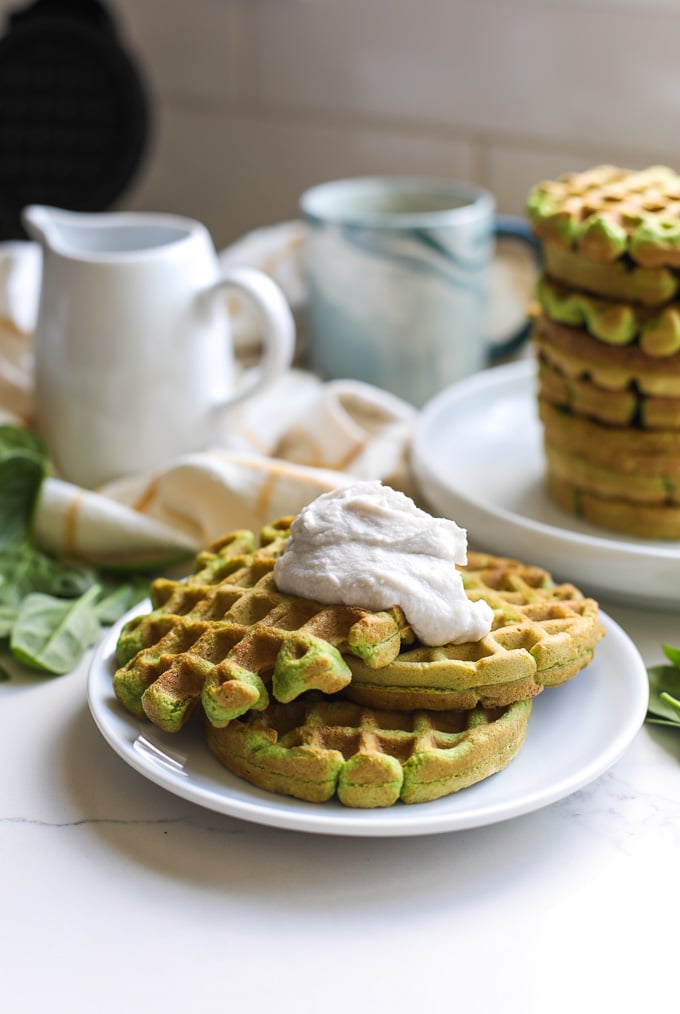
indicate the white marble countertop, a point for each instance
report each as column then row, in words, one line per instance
column 117, row 895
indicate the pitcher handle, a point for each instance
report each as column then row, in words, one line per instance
column 278, row 327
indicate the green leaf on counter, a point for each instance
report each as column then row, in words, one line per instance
column 672, row 654
column 51, row 634
column 23, row 465
column 4, row 675
column 8, row 615
column 671, row 702
column 17, row 438
column 51, row 610
column 25, row 569
column 664, row 690
column 117, row 598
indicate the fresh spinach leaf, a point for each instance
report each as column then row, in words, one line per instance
column 23, row 465
column 672, row 654
column 8, row 615
column 664, row 690
column 25, row 569
column 52, row 634
column 51, row 610
column 117, row 598
column 671, row 702
column 17, row 438
column 20, row 479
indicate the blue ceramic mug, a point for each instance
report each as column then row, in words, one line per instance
column 398, row 276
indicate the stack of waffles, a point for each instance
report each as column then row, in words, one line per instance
column 315, row 701
column 608, row 342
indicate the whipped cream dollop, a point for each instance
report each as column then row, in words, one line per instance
column 369, row 545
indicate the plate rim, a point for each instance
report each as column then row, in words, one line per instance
column 656, row 560
column 505, row 376
column 398, row 821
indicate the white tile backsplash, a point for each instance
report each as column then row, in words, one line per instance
column 199, row 49
column 567, row 74
column 256, row 99
column 238, row 172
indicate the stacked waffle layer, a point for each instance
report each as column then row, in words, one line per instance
column 607, row 337
column 315, row 700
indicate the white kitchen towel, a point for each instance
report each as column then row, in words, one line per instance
column 346, row 431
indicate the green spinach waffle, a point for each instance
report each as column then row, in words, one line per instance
column 622, row 478
column 316, row 748
column 542, row 635
column 626, row 406
column 621, row 280
column 655, row 331
column 607, row 339
column 649, row 521
column 606, row 213
column 226, row 636
column 625, row 449
column 577, row 354
column 226, row 639
column 637, row 488
column 316, row 701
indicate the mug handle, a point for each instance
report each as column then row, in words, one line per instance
column 514, row 227
column 278, row 327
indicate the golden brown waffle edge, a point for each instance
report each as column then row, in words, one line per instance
column 316, row 748
column 542, row 635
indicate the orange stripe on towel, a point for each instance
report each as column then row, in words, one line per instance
column 264, row 498
column 71, row 524
column 146, row 497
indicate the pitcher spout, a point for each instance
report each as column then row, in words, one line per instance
column 63, row 231
column 38, row 221
column 100, row 235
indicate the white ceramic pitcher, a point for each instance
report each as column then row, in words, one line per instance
column 134, row 360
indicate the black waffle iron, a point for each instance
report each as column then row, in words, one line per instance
column 73, row 110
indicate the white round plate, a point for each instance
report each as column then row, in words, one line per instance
column 576, row 732
column 478, row 459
